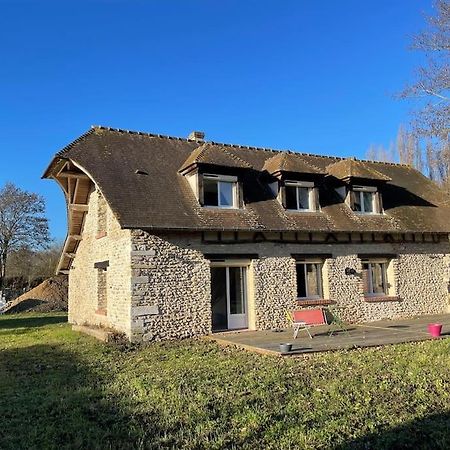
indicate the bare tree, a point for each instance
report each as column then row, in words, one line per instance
column 23, row 224
column 432, row 84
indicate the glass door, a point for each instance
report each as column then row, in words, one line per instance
column 229, row 297
column 237, row 299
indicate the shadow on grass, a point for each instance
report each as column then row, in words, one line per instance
column 52, row 399
column 30, row 322
column 431, row 432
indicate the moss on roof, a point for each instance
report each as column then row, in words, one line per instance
column 163, row 199
column 349, row 168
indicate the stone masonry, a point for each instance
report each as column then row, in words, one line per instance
column 158, row 285
column 112, row 245
column 170, row 290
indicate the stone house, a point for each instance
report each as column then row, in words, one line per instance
column 172, row 237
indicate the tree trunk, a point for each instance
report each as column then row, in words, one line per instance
column 3, row 257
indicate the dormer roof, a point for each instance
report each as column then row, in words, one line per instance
column 215, row 155
column 290, row 162
column 350, row 168
column 138, row 174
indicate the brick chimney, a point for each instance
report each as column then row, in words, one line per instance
column 198, row 136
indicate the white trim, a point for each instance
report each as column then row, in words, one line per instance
column 308, row 184
column 311, row 196
column 231, row 263
column 365, row 188
column 228, row 178
column 219, row 179
column 239, row 321
column 360, row 192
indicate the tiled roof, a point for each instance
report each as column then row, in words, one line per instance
column 216, row 155
column 349, row 168
column 290, row 162
column 163, row 199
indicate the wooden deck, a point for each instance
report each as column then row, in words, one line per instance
column 369, row 334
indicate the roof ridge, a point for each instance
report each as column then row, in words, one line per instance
column 74, row 142
column 232, row 155
column 247, row 147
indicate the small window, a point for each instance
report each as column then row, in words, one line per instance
column 102, row 296
column 309, row 279
column 220, row 192
column 101, row 214
column 299, row 196
column 364, row 200
column 375, row 278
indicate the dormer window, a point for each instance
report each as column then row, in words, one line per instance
column 365, row 200
column 300, row 196
column 220, row 191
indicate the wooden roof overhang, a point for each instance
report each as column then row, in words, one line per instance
column 76, row 185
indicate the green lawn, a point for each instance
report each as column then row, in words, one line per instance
column 60, row 389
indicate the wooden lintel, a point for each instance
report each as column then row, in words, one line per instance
column 75, row 237
column 70, row 255
column 72, row 174
column 64, row 272
column 78, row 207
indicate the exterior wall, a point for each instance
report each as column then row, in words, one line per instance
column 158, row 286
column 419, row 277
column 108, row 244
column 171, row 293
column 274, row 291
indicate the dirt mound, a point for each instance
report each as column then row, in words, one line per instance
column 50, row 295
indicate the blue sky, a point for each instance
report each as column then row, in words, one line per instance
column 312, row 76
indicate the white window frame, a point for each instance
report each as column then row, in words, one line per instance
column 359, row 190
column 311, row 200
column 386, row 283
column 319, row 263
column 219, row 179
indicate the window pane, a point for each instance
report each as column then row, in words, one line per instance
column 210, row 192
column 312, row 275
column 368, row 201
column 378, row 280
column 226, row 193
column 291, row 197
column 301, row 285
column 303, row 198
column 237, row 303
column 356, row 201
column 365, row 279
column 219, row 298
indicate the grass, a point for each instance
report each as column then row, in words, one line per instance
column 60, row 389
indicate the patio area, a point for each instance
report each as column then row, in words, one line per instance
column 369, row 334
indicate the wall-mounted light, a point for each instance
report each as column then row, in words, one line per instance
column 350, row 271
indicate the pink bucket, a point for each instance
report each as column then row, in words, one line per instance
column 435, row 329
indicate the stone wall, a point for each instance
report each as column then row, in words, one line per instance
column 170, row 290
column 158, row 285
column 112, row 245
column 419, row 276
column 274, row 291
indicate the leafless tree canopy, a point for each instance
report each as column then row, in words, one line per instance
column 427, row 156
column 432, row 82
column 23, row 224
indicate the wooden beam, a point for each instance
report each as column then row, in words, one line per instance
column 70, row 255
column 72, row 174
column 75, row 237
column 64, row 272
column 75, row 191
column 78, row 207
